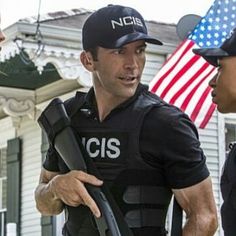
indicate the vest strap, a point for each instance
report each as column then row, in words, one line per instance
column 146, row 195
column 145, row 218
column 177, row 219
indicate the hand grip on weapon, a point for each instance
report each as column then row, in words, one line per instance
column 73, row 183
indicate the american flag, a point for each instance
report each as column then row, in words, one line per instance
column 183, row 79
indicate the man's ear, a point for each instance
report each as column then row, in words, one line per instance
column 87, row 60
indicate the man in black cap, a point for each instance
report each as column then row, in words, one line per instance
column 144, row 148
column 224, row 95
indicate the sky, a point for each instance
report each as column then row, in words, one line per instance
column 168, row 11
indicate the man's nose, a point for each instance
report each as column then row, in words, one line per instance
column 131, row 61
column 212, row 82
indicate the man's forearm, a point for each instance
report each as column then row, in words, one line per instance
column 199, row 227
column 46, row 201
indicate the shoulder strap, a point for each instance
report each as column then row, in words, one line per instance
column 74, row 103
column 177, row 219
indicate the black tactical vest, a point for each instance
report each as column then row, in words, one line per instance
column 139, row 189
column 228, row 190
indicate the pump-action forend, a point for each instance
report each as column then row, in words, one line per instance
column 55, row 121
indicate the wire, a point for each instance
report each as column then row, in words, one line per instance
column 38, row 37
column 22, row 54
column 38, row 18
column 38, row 34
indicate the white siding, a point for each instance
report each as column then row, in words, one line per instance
column 30, row 134
column 153, row 64
column 7, row 131
column 210, row 143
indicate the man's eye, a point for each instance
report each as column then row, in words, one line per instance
column 141, row 50
column 118, row 51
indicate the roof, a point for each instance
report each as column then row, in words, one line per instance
column 75, row 18
column 17, row 74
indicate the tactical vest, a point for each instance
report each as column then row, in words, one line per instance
column 138, row 188
column 228, row 190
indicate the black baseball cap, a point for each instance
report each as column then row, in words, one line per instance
column 227, row 49
column 114, row 26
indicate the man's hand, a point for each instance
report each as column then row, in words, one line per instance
column 70, row 189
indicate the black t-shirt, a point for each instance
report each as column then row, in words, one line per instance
column 168, row 140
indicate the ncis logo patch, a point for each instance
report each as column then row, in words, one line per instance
column 105, row 145
column 127, row 20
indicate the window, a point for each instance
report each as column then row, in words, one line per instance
column 230, row 135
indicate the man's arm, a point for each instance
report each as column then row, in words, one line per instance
column 54, row 190
column 46, row 201
column 200, row 208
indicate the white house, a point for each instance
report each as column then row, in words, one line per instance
column 40, row 61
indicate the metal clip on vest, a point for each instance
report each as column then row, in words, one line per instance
column 56, row 123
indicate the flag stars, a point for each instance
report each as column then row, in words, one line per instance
column 211, row 12
column 222, row 40
column 209, row 27
column 208, row 43
column 225, row 26
column 201, row 36
column 203, row 28
column 224, row 34
column 195, row 31
column 210, row 20
column 201, row 44
column 219, row 21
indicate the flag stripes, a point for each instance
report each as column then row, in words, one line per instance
column 183, row 81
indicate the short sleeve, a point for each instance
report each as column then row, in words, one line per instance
column 169, row 140
column 51, row 160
